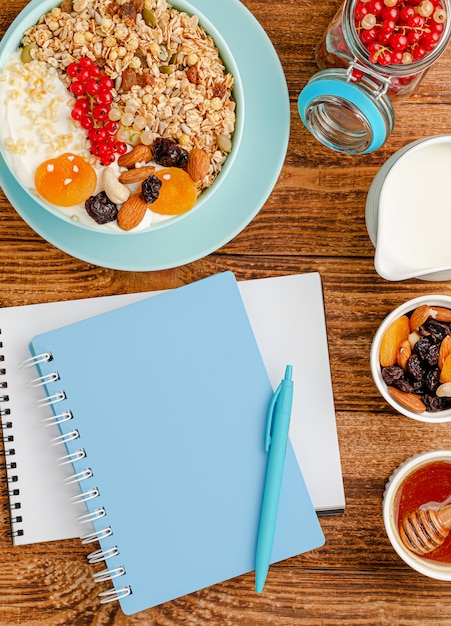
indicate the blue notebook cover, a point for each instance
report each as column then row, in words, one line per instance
column 168, row 398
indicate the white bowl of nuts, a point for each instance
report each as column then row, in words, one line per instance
column 411, row 359
column 118, row 116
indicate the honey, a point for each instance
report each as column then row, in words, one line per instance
column 427, row 486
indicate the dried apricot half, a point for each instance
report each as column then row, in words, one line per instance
column 178, row 192
column 394, row 336
column 66, row 180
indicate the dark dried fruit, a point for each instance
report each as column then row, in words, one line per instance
column 151, row 189
column 101, row 209
column 129, row 79
column 434, row 403
column 168, row 153
column 432, row 379
column 415, row 368
column 193, row 75
column 422, row 347
column 438, row 330
column 391, row 374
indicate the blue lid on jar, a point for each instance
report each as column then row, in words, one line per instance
column 347, row 116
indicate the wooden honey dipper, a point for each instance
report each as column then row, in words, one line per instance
column 425, row 530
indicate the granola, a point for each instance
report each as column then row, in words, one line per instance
column 169, row 80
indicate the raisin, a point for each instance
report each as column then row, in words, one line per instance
column 438, row 330
column 434, row 403
column 391, row 374
column 129, row 79
column 168, row 153
column 151, row 189
column 431, row 357
column 415, row 368
column 432, row 379
column 422, row 347
column 101, row 209
column 403, row 385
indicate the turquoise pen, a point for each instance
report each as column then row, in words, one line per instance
column 278, row 422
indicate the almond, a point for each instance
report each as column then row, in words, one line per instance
column 393, row 338
column 441, row 313
column 404, row 353
column 419, row 316
column 136, row 174
column 132, row 212
column 445, row 351
column 198, row 164
column 139, row 154
column 409, row 401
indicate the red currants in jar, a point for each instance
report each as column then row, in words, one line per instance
column 373, row 52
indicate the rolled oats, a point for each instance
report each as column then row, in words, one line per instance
column 183, row 89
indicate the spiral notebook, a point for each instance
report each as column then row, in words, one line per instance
column 161, row 406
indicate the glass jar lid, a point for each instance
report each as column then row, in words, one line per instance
column 346, row 115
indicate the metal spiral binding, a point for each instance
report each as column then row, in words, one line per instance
column 9, row 465
column 104, row 553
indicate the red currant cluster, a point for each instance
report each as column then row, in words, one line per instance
column 399, row 31
column 93, row 98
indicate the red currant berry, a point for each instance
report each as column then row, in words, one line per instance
column 414, row 37
column 92, row 87
column 97, row 134
column 94, row 71
column 390, row 13
column 84, row 75
column 375, row 6
column 72, row 69
column 100, row 112
column 418, row 52
column 104, row 97
column 106, row 82
column 77, row 88
column 388, row 26
column 367, row 36
column 430, row 40
column 417, row 21
column 122, row 148
column 396, row 57
column 108, row 158
column 385, row 57
column 87, row 122
column 383, row 38
column 406, row 12
column 398, row 41
column 356, row 75
column 111, row 127
column 86, row 62
column 82, row 104
column 361, row 9
column 77, row 114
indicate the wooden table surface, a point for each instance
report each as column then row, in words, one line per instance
column 314, row 221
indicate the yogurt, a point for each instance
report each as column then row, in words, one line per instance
column 36, row 125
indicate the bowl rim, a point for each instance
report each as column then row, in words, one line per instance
column 433, row 569
column 409, row 305
column 32, row 12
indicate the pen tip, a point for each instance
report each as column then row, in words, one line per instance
column 288, row 372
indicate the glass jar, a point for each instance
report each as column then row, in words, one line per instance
column 348, row 105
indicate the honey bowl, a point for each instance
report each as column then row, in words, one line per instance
column 408, row 355
column 421, row 483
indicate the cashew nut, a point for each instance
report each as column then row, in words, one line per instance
column 115, row 190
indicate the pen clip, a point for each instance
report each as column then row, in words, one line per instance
column 269, row 417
